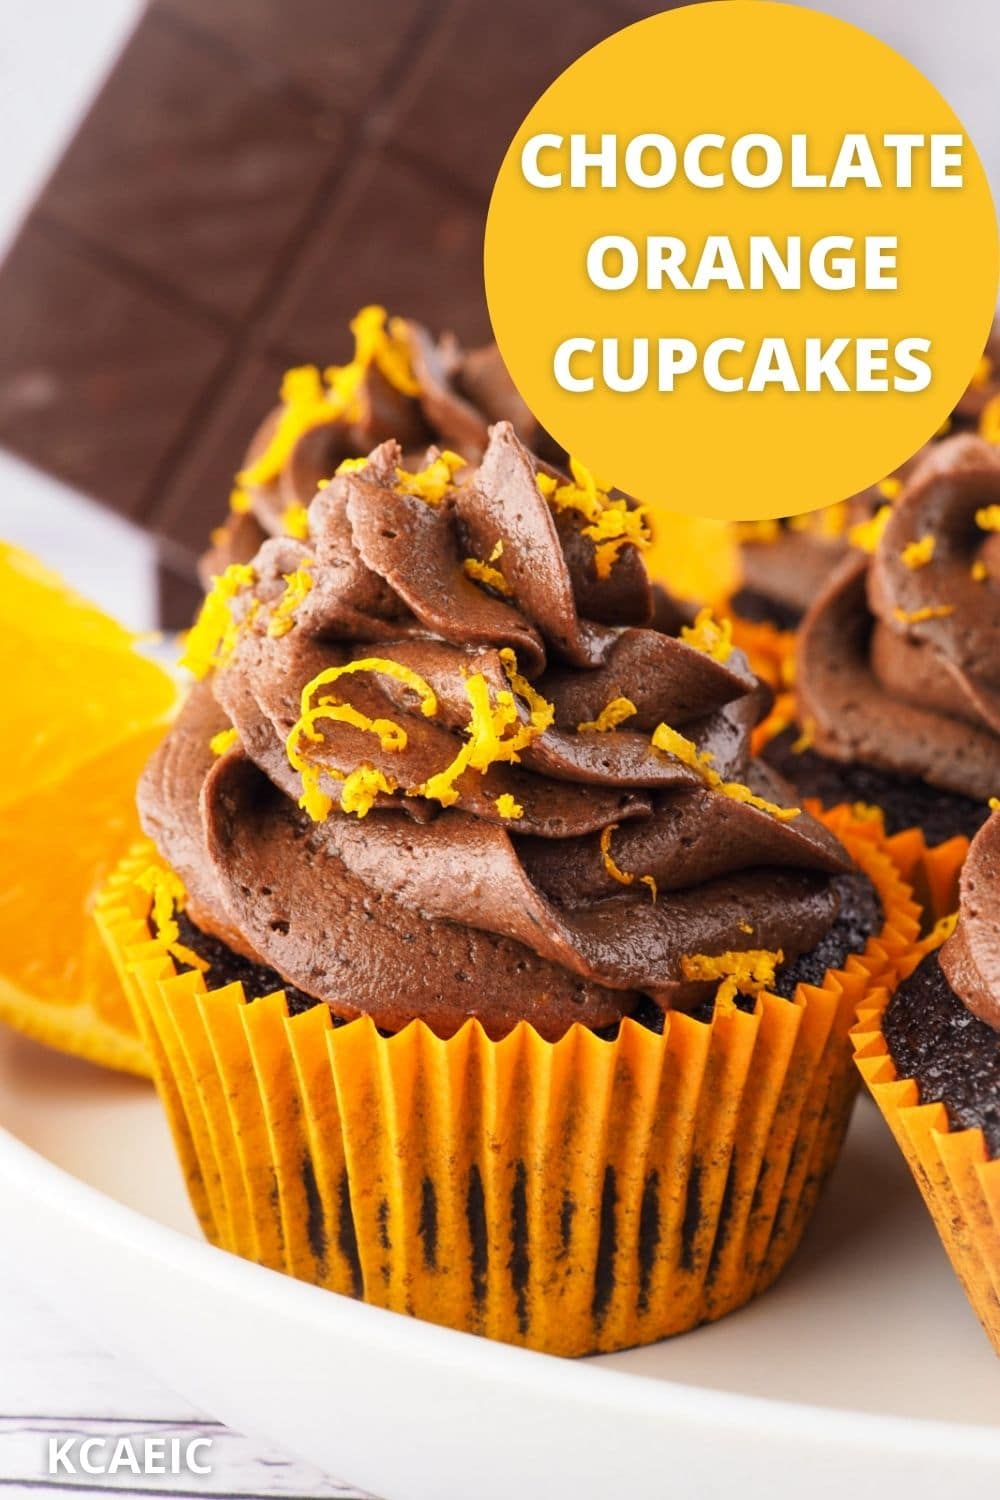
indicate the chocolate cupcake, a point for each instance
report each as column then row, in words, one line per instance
column 785, row 563
column 932, row 1059
column 485, row 974
column 401, row 384
column 898, row 660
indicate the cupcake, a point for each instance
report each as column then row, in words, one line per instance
column 485, row 975
column 931, row 1057
column 785, row 563
column 401, row 384
column 898, row 660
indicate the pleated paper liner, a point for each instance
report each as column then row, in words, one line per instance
column 952, row 1168
column 573, row 1196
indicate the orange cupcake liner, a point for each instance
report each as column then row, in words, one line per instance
column 952, row 1168
column 575, row 1196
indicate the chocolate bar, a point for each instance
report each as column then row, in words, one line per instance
column 253, row 172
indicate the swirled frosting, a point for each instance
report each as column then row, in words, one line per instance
column 401, row 384
column 787, row 562
column 465, row 772
column 970, row 958
column 899, row 657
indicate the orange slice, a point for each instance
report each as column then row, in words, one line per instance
column 81, row 712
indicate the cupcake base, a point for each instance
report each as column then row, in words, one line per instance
column 577, row 1196
column 906, row 801
column 860, row 917
column 761, row 609
column 953, row 1057
column 955, row 1168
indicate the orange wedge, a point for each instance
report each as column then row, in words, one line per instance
column 81, row 712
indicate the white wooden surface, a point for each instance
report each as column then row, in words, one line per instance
column 53, row 1382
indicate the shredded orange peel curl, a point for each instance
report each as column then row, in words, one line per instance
column 610, row 716
column 940, row 932
column 297, row 585
column 918, row 554
column 926, row 612
column 508, row 806
column 212, row 638
column 484, row 572
column 866, row 535
column 612, row 523
column 806, row 738
column 989, row 420
column 351, row 465
column 168, row 897
column 432, row 482
column 363, row 784
column 623, row 877
column 295, row 521
column 710, row 636
column 310, row 398
column 670, row 742
column 496, row 733
column 224, row 740
column 748, row 972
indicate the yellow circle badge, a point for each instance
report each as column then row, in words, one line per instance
column 741, row 259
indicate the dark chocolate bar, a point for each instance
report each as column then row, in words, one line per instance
column 252, row 173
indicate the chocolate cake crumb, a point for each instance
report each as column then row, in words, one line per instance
column 860, row 915
column 227, row 967
column 906, row 801
column 761, row 609
column 953, row 1056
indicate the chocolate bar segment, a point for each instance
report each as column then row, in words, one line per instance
column 196, row 499
column 97, row 374
column 398, row 236
column 197, row 175
column 483, row 70
column 337, row 54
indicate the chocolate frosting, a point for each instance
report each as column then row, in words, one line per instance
column 899, row 657
column 525, row 890
column 791, row 562
column 970, row 957
column 460, row 392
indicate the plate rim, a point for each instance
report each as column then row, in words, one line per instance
column 29, row 1173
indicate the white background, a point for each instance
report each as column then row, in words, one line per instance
column 53, row 54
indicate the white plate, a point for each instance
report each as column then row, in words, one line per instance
column 863, row 1368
